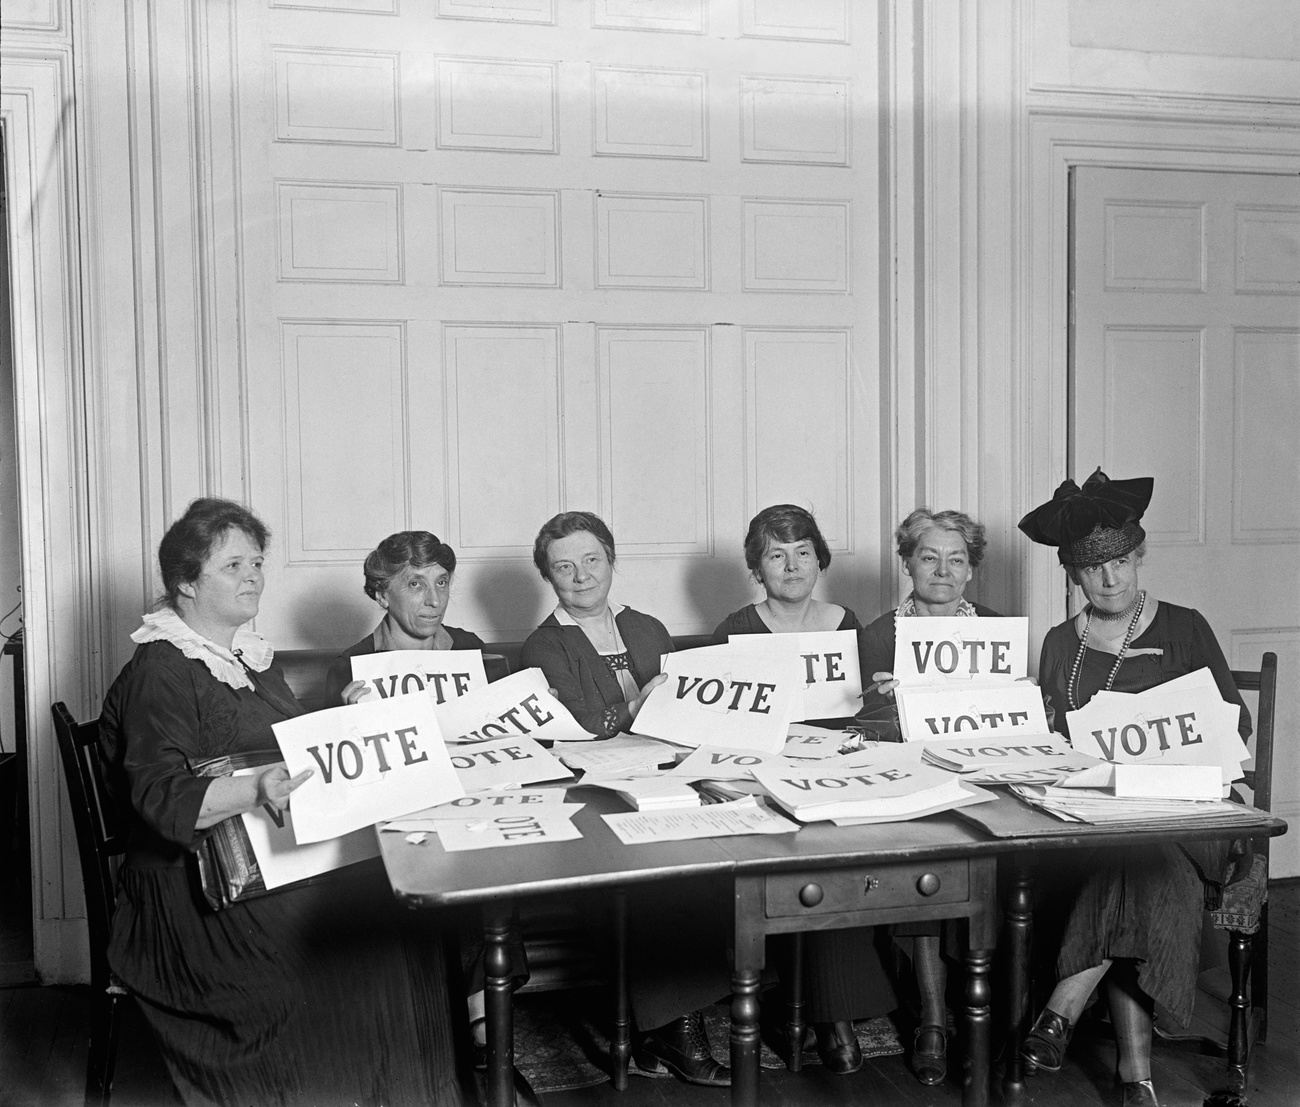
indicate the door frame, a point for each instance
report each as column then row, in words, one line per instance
column 1058, row 140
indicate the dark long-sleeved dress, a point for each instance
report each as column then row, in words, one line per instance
column 313, row 994
column 1143, row 903
column 583, row 679
column 843, row 974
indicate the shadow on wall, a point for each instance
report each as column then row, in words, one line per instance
column 511, row 594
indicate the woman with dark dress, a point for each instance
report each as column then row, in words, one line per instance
column 844, row 979
column 313, row 993
column 1134, row 920
column 602, row 660
column 409, row 575
column 940, row 552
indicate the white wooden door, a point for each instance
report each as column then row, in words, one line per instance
column 506, row 257
column 1186, row 367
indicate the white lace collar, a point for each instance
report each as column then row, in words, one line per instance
column 224, row 664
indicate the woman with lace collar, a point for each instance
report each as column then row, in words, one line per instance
column 308, row 994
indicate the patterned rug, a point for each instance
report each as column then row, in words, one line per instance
column 559, row 1046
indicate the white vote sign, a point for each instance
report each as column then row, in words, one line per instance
column 515, row 705
column 1189, row 724
column 982, row 708
column 523, row 829
column 282, row 860
column 950, row 648
column 442, row 674
column 503, row 763
column 373, row 760
column 832, row 673
column 720, row 696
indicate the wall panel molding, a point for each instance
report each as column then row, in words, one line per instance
column 810, row 21
column 653, row 389
column 684, row 16
column 649, row 113
column 503, row 436
column 797, row 245
column 339, row 232
column 499, row 237
column 795, row 120
column 499, row 11
column 337, row 96
column 1266, row 407
column 505, row 106
column 652, row 241
column 1264, row 265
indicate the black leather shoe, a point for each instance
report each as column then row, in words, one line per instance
column 680, row 1049
column 837, row 1046
column 1045, row 1044
column 930, row 1054
column 1139, row 1093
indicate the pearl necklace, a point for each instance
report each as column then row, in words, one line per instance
column 1119, row 660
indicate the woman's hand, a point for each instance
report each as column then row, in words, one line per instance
column 275, row 784
column 353, row 691
column 884, row 684
column 654, row 683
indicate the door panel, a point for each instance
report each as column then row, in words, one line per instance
column 1186, row 367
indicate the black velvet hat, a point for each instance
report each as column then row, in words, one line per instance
column 1093, row 524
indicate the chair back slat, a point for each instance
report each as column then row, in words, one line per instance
column 1264, row 681
column 101, row 836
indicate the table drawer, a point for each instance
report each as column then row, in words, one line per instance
column 827, row 891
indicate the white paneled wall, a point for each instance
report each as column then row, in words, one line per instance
column 620, row 257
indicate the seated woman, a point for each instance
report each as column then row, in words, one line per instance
column 940, row 553
column 602, row 661
column 409, row 575
column 786, row 553
column 1134, row 918
column 313, row 993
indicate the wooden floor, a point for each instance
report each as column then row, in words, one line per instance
column 43, row 1054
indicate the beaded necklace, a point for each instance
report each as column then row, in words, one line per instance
column 1119, row 660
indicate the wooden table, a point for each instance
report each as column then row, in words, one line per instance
column 823, row 877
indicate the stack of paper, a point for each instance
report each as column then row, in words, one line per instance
column 617, row 758
column 481, row 820
column 1098, row 806
column 879, row 787
column 1041, row 758
column 742, row 816
column 656, row 793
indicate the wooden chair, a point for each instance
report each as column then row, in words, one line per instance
column 100, row 840
column 1244, row 912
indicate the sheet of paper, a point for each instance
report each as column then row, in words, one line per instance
column 619, row 755
column 802, row 740
column 1196, row 782
column 718, row 763
column 489, row 766
column 987, row 710
column 829, row 662
column 515, row 705
column 373, row 760
column 442, row 674
column 948, row 649
column 524, row 829
column 548, row 801
column 722, row 696
column 280, row 858
column 717, row 820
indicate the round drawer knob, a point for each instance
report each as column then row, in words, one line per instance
column 928, row 884
column 810, row 895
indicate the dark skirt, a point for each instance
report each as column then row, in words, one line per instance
column 1145, row 904
column 323, row 994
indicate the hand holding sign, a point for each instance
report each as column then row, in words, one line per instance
column 371, row 761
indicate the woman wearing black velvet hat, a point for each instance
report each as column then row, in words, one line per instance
column 1135, row 918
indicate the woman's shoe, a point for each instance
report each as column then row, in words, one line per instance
column 1139, row 1093
column 930, row 1054
column 837, row 1046
column 1045, row 1044
column 681, row 1048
